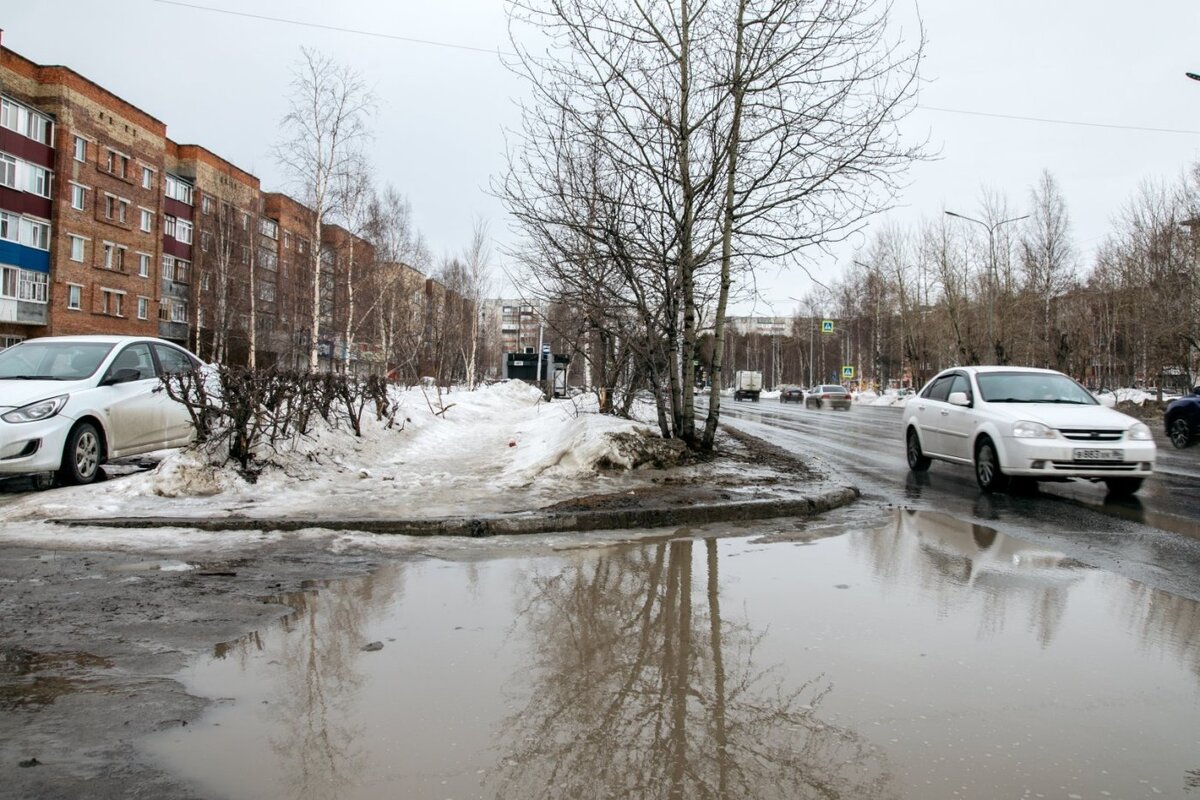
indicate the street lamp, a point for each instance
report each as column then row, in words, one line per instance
column 991, row 229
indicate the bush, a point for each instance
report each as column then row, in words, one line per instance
column 240, row 414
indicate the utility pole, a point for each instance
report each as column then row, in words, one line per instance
column 991, row 229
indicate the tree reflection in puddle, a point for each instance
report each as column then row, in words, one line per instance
column 642, row 689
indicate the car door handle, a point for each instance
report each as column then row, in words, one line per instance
column 945, row 413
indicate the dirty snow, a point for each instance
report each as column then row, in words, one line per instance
column 497, row 449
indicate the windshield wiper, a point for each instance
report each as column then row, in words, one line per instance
column 1010, row 400
column 30, row 378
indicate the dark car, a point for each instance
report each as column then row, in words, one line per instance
column 791, row 394
column 830, row 395
column 1182, row 419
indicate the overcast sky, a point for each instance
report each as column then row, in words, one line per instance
column 221, row 81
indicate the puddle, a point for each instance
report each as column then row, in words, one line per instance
column 926, row 658
column 30, row 679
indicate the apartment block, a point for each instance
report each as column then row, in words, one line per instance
column 109, row 226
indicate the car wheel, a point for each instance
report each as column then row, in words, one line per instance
column 1181, row 433
column 917, row 460
column 988, row 474
column 81, row 455
column 1123, row 487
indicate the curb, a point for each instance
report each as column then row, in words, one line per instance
column 510, row 524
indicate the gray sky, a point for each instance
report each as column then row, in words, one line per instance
column 221, row 81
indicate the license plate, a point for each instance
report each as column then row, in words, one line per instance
column 1099, row 455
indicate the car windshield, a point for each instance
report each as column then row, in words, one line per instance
column 52, row 361
column 832, row 390
column 1032, row 387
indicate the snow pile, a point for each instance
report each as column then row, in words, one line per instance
column 890, row 397
column 499, row 448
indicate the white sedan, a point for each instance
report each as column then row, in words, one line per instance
column 70, row 403
column 1033, row 424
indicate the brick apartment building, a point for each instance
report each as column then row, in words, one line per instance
column 109, row 226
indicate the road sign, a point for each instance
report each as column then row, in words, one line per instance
column 848, row 372
column 545, row 348
column 826, row 326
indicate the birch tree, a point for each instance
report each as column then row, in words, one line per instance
column 324, row 129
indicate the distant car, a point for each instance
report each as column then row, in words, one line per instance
column 1182, row 420
column 792, row 394
column 70, row 403
column 830, row 395
column 1034, row 424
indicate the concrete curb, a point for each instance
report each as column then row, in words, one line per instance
column 650, row 516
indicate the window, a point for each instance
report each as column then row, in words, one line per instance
column 172, row 359
column 116, row 163
column 77, row 248
column 179, row 189
column 267, row 259
column 74, row 296
column 8, row 171
column 34, row 234
column 25, row 121
column 245, row 221
column 168, row 225
column 115, row 208
column 204, row 279
column 266, row 292
column 170, row 310
column 269, row 228
column 205, row 241
column 143, row 308
column 147, row 178
column 111, row 301
column 114, row 257
column 8, row 226
column 168, row 270
column 8, row 340
column 78, row 197
column 287, row 241
column 39, row 180
column 143, row 265
column 80, row 148
column 147, row 220
column 183, row 231
column 182, row 271
column 35, row 286
column 206, row 204
column 8, row 281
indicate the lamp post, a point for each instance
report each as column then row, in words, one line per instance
column 991, row 229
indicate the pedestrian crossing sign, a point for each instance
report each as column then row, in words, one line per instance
column 826, row 326
column 848, row 373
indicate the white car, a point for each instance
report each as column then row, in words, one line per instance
column 70, row 403
column 1032, row 424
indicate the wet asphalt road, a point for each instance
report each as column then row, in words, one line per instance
column 1153, row 538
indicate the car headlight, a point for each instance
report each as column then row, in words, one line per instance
column 1033, row 430
column 1140, row 432
column 42, row 409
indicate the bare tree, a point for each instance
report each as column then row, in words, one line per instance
column 323, row 130
column 683, row 142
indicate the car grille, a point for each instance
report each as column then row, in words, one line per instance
column 1091, row 435
column 1097, row 466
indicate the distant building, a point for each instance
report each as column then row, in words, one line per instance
column 763, row 326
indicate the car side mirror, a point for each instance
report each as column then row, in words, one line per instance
column 959, row 399
column 121, row 376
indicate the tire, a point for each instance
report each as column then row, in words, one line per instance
column 1123, row 487
column 81, row 455
column 917, row 460
column 988, row 474
column 1181, row 433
